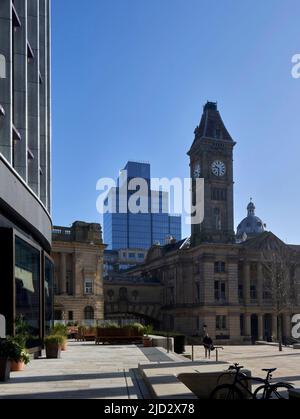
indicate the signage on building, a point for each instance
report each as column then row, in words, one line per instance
column 2, row 67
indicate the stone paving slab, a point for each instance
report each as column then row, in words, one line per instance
column 86, row 371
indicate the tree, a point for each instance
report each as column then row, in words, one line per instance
column 279, row 268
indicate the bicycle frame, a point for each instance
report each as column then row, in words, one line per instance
column 241, row 380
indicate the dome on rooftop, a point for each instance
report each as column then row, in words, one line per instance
column 251, row 226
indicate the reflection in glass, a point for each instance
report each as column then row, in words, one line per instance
column 49, row 274
column 27, row 274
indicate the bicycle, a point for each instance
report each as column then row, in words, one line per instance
column 239, row 389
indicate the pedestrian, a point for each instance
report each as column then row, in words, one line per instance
column 208, row 345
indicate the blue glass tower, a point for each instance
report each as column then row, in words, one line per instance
column 127, row 230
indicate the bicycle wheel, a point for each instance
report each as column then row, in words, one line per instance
column 260, row 392
column 226, row 392
column 278, row 391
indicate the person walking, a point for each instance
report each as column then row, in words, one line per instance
column 208, row 345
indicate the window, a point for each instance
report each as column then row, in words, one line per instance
column 131, row 255
column 253, row 292
column 197, row 291
column 220, row 291
column 141, row 256
column 267, row 295
column 135, row 295
column 220, row 267
column 69, row 283
column 70, row 315
column 218, row 133
column 88, row 287
column 217, row 217
column 89, row 313
column 27, row 284
column 218, row 194
column 241, row 291
column 110, row 294
column 221, row 322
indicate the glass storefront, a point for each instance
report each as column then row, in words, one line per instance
column 27, row 286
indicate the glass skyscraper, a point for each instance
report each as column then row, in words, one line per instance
column 127, row 230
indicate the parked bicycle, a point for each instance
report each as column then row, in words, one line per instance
column 240, row 388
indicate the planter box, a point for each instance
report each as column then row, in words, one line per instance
column 17, row 366
column 53, row 351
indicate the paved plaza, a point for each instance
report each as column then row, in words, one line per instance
column 257, row 357
column 87, row 371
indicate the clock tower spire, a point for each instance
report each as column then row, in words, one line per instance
column 211, row 158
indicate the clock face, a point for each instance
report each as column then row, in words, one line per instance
column 197, row 171
column 218, row 168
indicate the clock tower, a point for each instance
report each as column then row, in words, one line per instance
column 211, row 158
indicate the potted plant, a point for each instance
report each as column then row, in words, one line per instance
column 61, row 330
column 147, row 341
column 53, row 345
column 6, row 351
column 19, row 356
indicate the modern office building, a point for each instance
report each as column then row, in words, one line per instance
column 116, row 261
column 78, row 257
column 25, row 164
column 124, row 229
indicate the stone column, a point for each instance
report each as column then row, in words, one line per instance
column 246, row 283
column 232, row 291
column 63, row 273
column 234, row 327
column 260, row 327
column 247, row 318
column 274, row 326
column 260, row 284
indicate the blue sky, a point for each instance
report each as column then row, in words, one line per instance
column 130, row 78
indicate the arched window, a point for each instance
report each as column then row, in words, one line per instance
column 123, row 294
column 110, row 294
column 89, row 313
column 135, row 295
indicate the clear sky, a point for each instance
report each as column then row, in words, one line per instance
column 130, row 78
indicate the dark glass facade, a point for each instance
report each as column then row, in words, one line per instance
column 140, row 231
column 26, row 284
column 25, row 166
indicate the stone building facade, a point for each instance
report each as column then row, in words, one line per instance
column 215, row 279
column 78, row 259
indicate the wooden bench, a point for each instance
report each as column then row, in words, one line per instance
column 114, row 335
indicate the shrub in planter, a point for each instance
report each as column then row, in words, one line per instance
column 53, row 345
column 19, row 356
column 61, row 330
